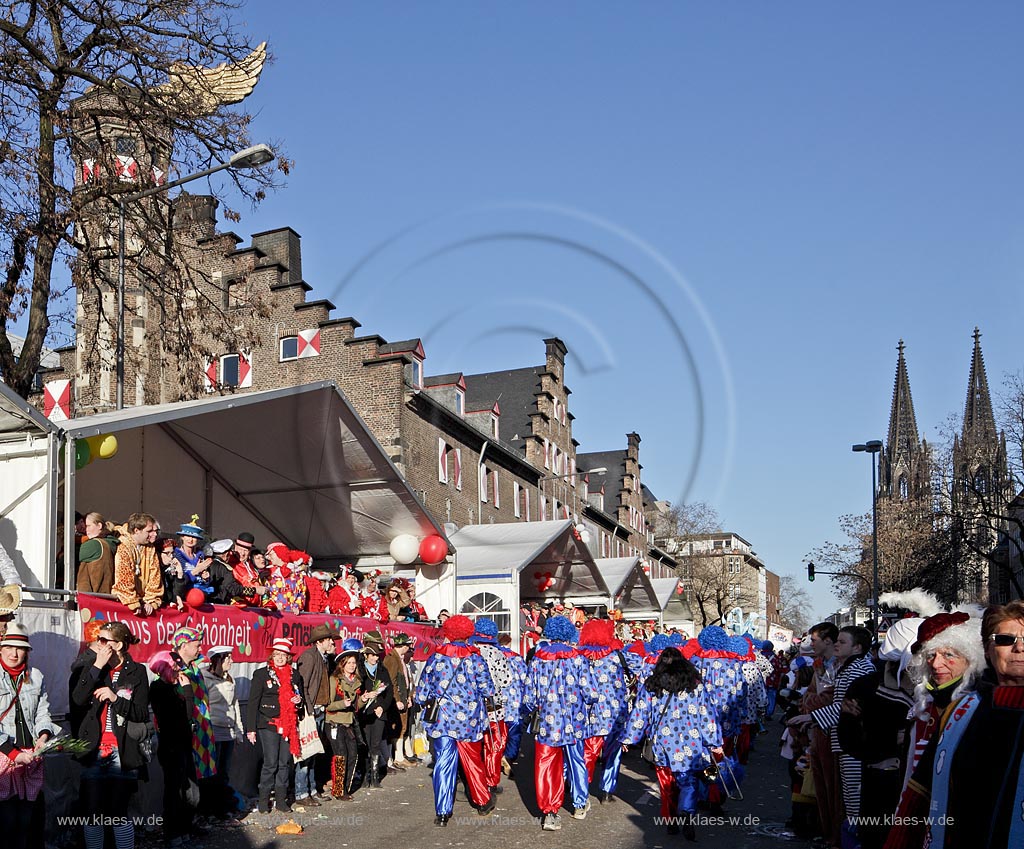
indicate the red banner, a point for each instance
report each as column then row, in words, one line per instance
column 250, row 630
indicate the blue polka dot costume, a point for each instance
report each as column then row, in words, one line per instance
column 465, row 682
column 560, row 686
column 682, row 727
column 609, row 713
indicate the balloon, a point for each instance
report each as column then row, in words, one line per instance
column 83, row 456
column 107, row 446
column 404, row 549
column 94, row 445
column 195, row 597
column 433, row 550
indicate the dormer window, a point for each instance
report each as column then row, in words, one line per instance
column 494, row 426
column 460, row 403
column 417, row 373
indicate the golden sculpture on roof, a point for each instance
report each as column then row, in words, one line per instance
column 200, row 91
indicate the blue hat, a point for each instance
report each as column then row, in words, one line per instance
column 713, row 637
column 676, row 640
column 486, row 627
column 560, row 629
column 191, row 529
column 768, row 644
column 660, row 642
column 352, row 644
column 738, row 645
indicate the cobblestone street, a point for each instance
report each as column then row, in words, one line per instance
column 401, row 814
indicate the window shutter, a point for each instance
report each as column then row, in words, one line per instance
column 526, row 503
column 245, row 369
column 442, row 461
column 516, row 506
column 458, row 469
column 497, row 494
column 482, row 483
column 210, row 374
column 547, row 454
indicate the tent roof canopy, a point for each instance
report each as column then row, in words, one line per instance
column 297, row 463
column 532, row 550
column 18, row 418
column 616, row 571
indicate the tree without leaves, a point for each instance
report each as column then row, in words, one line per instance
column 711, row 588
column 796, row 605
column 123, row 55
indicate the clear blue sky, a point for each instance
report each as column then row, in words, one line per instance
column 731, row 213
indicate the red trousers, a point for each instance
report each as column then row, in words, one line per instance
column 472, row 763
column 669, row 791
column 743, row 744
column 592, row 748
column 493, row 751
column 548, row 777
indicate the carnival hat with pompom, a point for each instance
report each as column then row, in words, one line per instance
column 457, row 628
column 560, row 630
column 598, row 632
column 713, row 637
column 486, row 627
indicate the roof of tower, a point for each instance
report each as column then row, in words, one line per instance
column 903, row 435
column 979, row 422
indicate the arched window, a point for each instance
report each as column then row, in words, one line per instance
column 491, row 606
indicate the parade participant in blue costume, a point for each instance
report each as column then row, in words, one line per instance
column 513, row 709
column 674, row 711
column 635, row 653
column 506, row 699
column 612, row 679
column 456, row 680
column 560, row 689
column 724, row 682
column 754, row 698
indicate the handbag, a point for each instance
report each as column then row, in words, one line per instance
column 647, row 752
column 309, row 738
column 431, row 710
column 534, row 724
column 141, row 733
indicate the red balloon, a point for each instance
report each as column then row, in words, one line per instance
column 433, row 550
column 195, row 597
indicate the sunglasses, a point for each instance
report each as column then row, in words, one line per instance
column 1006, row 640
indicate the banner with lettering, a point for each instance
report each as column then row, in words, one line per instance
column 251, row 631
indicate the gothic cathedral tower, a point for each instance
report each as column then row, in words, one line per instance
column 905, row 465
column 980, row 491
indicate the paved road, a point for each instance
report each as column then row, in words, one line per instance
column 401, row 813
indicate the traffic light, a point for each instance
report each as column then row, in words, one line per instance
column 810, row 571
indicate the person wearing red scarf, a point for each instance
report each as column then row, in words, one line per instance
column 25, row 724
column 275, row 706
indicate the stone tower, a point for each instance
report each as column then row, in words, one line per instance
column 980, row 490
column 905, row 472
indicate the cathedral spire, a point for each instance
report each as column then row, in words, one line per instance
column 979, row 422
column 903, row 474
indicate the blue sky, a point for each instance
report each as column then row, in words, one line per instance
column 730, row 213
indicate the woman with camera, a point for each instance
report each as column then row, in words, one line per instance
column 113, row 695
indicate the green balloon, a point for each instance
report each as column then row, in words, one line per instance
column 83, row 455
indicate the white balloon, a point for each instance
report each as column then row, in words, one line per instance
column 405, row 548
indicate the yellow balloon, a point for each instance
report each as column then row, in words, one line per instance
column 107, row 447
column 94, row 445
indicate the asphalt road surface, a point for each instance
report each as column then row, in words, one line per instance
column 401, row 814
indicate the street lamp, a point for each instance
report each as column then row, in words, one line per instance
column 251, row 157
column 873, row 447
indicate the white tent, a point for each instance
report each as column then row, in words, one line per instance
column 498, row 566
column 674, row 612
column 296, row 465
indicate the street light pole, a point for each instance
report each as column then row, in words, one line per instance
column 873, row 448
column 251, row 157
